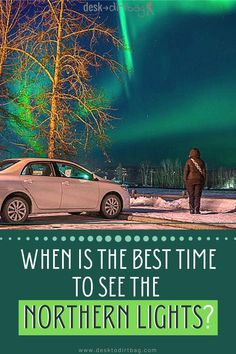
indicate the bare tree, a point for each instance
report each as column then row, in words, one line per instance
column 62, row 44
column 145, row 172
column 169, row 174
column 121, row 173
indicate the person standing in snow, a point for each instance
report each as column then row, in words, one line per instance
column 194, row 179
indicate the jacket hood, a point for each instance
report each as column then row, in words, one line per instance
column 194, row 153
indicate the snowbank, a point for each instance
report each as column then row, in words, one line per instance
column 160, row 203
column 208, row 204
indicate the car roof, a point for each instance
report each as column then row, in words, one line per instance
column 39, row 159
column 36, row 159
column 24, row 160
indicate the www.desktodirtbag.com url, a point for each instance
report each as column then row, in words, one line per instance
column 117, row 350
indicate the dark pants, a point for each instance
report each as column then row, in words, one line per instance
column 194, row 192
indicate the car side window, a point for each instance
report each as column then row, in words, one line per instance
column 71, row 171
column 38, row 169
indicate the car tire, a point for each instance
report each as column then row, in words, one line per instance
column 15, row 210
column 111, row 206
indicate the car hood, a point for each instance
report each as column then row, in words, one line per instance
column 100, row 179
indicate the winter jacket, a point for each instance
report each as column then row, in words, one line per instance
column 191, row 173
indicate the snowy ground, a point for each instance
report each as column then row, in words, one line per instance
column 215, row 205
column 146, row 213
column 220, row 212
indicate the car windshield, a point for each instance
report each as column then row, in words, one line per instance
column 6, row 164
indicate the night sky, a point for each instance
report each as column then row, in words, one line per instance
column 180, row 91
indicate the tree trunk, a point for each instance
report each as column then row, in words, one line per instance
column 54, row 100
column 2, row 58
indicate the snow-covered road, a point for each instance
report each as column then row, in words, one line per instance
column 82, row 222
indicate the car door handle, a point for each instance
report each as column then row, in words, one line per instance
column 66, row 183
column 28, row 181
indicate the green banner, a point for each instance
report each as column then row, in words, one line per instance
column 118, row 317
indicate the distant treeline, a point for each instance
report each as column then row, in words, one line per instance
column 169, row 174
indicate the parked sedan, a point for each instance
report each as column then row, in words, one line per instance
column 39, row 186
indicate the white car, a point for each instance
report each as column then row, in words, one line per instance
column 40, row 185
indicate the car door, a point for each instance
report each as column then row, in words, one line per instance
column 79, row 190
column 39, row 179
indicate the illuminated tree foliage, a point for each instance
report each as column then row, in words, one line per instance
column 59, row 49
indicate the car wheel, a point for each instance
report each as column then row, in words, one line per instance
column 15, row 210
column 111, row 206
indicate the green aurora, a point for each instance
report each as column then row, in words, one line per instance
column 183, row 82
